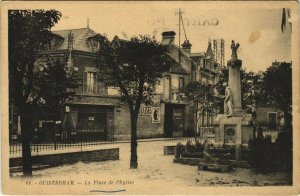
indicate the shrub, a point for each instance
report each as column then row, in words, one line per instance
column 283, row 147
column 261, row 156
column 189, row 148
column 179, row 149
column 198, row 146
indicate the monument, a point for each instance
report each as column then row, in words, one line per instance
column 233, row 128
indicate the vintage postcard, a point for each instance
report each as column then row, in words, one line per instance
column 150, row 97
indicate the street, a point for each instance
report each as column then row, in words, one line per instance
column 155, row 168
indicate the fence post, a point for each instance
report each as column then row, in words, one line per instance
column 54, row 135
column 37, row 147
column 81, row 144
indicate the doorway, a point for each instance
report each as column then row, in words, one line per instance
column 174, row 120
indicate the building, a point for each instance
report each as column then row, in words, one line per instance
column 96, row 112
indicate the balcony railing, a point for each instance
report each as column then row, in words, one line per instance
column 95, row 89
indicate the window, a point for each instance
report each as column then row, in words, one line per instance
column 159, row 88
column 92, row 126
column 181, row 82
column 94, row 44
column 201, row 64
column 90, row 82
column 175, row 83
column 272, row 120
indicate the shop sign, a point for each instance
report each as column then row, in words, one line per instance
column 155, row 115
column 58, row 122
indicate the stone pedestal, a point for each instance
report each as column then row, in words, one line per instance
column 234, row 84
column 233, row 131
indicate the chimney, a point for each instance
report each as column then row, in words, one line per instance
column 186, row 46
column 168, row 37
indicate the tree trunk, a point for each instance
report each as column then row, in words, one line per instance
column 287, row 121
column 196, row 121
column 26, row 128
column 133, row 156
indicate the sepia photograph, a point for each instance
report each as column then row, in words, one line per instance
column 163, row 97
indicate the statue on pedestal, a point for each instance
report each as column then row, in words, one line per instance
column 228, row 109
column 234, row 48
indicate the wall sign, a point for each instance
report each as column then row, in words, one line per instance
column 67, row 109
column 155, row 115
column 145, row 111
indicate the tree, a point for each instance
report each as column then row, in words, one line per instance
column 249, row 87
column 63, row 80
column 203, row 97
column 277, row 84
column 135, row 67
column 28, row 31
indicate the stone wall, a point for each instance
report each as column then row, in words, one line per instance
column 71, row 157
column 145, row 127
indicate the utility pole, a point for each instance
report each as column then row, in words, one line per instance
column 179, row 56
column 179, row 32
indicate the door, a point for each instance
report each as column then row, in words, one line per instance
column 272, row 121
column 168, row 125
column 178, row 122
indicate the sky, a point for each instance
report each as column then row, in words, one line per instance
column 257, row 30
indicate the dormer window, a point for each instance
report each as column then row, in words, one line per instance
column 53, row 44
column 94, row 43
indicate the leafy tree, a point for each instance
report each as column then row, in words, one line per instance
column 55, row 84
column 277, row 84
column 202, row 95
column 250, row 85
column 28, row 31
column 134, row 66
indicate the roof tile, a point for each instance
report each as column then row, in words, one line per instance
column 80, row 38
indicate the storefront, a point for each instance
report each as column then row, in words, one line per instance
column 89, row 122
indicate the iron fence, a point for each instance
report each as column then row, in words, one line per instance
column 183, row 139
column 63, row 140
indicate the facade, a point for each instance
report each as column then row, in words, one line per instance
column 207, row 70
column 96, row 112
column 268, row 121
column 269, row 118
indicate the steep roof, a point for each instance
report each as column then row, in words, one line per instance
column 209, row 52
column 196, row 56
column 176, row 68
column 80, row 37
column 182, row 52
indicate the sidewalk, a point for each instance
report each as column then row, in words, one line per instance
column 83, row 147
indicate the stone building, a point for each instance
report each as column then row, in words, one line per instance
column 96, row 112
